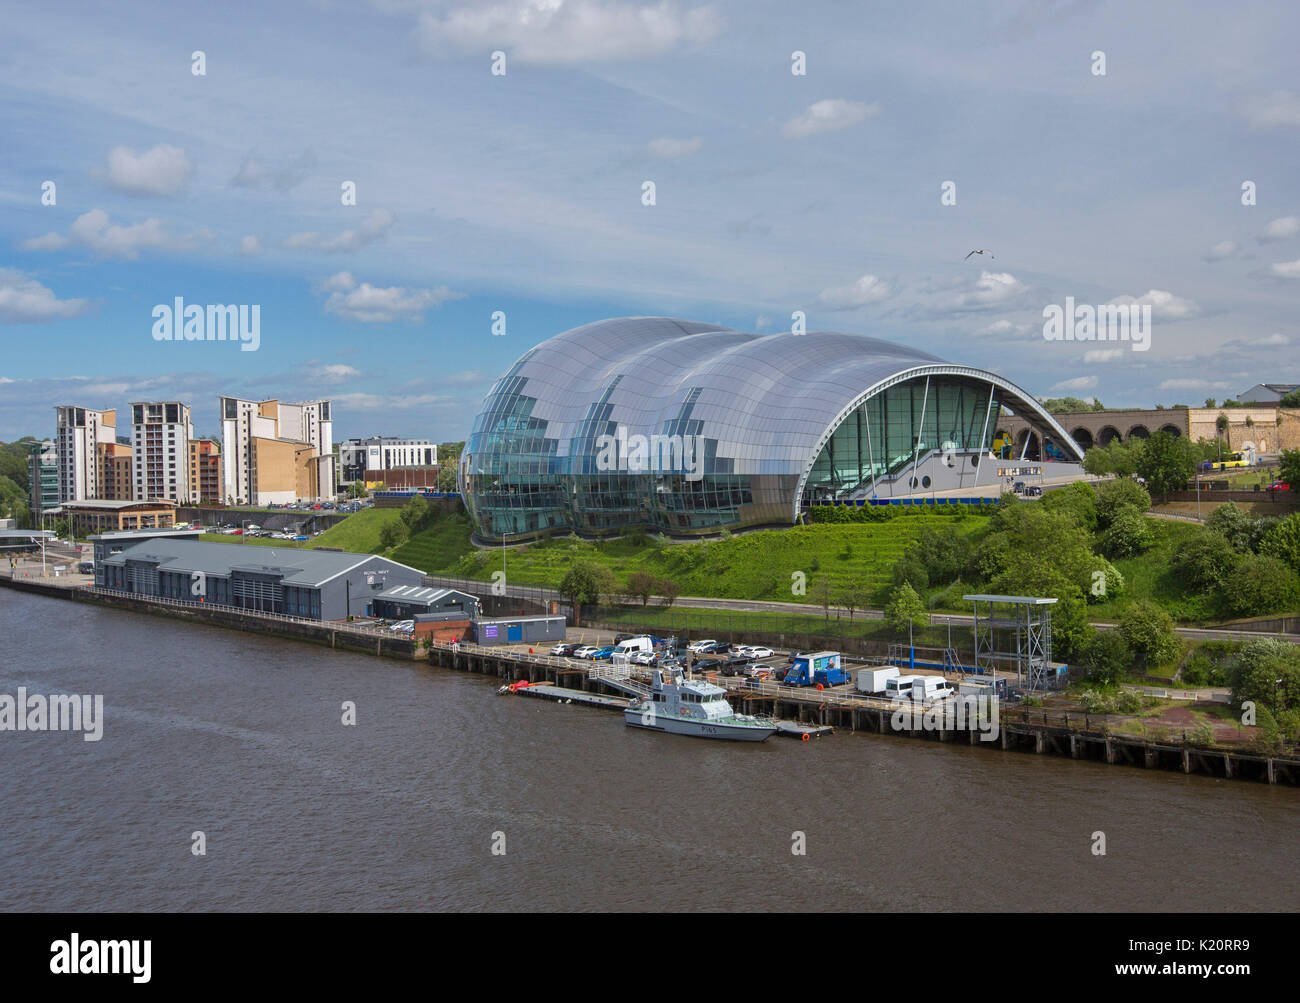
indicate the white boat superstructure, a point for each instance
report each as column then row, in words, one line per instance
column 693, row 708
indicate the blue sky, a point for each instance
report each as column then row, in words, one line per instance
column 522, row 193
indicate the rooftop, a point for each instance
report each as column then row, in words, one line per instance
column 294, row 567
column 112, row 505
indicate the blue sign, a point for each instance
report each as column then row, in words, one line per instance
column 489, row 631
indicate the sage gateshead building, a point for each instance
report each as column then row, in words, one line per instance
column 686, row 428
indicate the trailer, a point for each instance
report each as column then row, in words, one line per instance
column 873, row 681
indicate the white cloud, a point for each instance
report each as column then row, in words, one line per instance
column 23, row 300
column 1078, row 383
column 864, row 291
column 1274, row 340
column 1286, row 269
column 95, row 231
column 333, row 373
column 990, row 289
column 1187, row 384
column 667, row 148
column 1277, row 108
column 1164, row 305
column 250, row 247
column 1282, row 228
column 829, row 115
column 254, row 174
column 164, row 170
column 367, row 304
column 1223, row 249
column 569, row 32
column 1104, row 354
column 373, row 227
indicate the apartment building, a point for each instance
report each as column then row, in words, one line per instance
column 80, row 431
column 275, row 452
column 43, row 477
column 206, row 471
column 381, row 453
column 161, row 432
column 116, row 461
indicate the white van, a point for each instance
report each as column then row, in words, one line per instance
column 628, row 647
column 931, row 689
column 900, row 687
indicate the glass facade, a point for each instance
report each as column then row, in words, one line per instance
column 684, row 428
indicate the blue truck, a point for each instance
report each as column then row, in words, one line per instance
column 814, row 668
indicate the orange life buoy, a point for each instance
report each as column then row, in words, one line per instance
column 820, row 686
column 805, row 737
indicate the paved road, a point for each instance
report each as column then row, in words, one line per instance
column 768, row 606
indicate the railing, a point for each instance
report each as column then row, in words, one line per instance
column 166, row 601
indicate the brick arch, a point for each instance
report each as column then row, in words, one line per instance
column 1171, row 429
column 1107, row 435
column 1083, row 437
column 1139, row 432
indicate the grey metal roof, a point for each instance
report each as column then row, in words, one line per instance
column 1018, row 600
column 771, row 400
column 420, row 594
column 25, row 534
column 295, row 567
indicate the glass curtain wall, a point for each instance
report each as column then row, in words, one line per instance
column 881, row 438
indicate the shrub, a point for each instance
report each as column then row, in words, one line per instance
column 1127, row 534
column 1233, row 525
column 1282, row 540
column 905, row 609
column 1106, row 657
column 1261, row 585
column 1113, row 497
column 1078, row 500
column 1204, row 563
column 1149, row 631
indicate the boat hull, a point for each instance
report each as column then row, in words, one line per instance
column 699, row 729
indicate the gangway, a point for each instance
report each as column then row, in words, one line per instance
column 619, row 678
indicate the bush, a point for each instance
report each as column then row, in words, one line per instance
column 1127, row 534
column 1282, row 540
column 1078, row 500
column 1115, row 496
column 1149, row 632
column 909, row 570
column 1233, row 525
column 1261, row 585
column 1204, row 563
column 1106, row 657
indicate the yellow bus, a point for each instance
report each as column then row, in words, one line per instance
column 1231, row 460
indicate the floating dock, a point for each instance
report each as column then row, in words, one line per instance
column 562, row 694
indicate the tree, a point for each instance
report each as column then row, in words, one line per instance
column 905, row 609
column 641, row 584
column 1078, row 500
column 392, row 534
column 855, row 595
column 821, row 592
column 1259, row 666
column 1127, row 534
column 1119, row 495
column 415, row 513
column 1204, row 563
column 1211, row 402
column 581, row 584
column 1106, row 656
column 1149, row 632
column 447, row 479
column 1260, row 585
column 1289, row 467
column 1233, row 525
column 1290, row 400
column 1167, row 462
column 1283, row 541
column 668, row 591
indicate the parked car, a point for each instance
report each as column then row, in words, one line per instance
column 699, row 646
column 299, row 538
column 564, row 650
column 586, row 651
column 1278, row 486
column 603, row 654
column 757, row 651
column 758, row 670
column 403, row 627
column 645, row 658
column 1033, row 491
column 1018, row 487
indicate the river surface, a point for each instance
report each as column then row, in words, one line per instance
column 240, row 737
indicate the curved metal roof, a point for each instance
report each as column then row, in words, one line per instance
column 771, row 400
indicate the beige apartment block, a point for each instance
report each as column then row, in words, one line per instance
column 115, row 466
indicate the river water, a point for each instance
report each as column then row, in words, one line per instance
column 240, row 737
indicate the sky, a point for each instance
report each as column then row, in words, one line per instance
column 523, row 192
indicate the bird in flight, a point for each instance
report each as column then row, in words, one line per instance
column 989, row 253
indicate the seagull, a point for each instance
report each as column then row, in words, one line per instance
column 989, row 253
